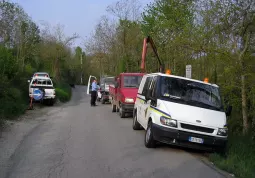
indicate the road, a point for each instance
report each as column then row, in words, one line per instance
column 79, row 141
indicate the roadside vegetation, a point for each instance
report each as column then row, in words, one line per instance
column 26, row 48
column 217, row 37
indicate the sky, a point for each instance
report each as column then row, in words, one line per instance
column 77, row 16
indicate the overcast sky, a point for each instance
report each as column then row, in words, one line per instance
column 78, row 16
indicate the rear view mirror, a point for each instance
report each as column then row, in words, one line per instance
column 228, row 110
column 148, row 95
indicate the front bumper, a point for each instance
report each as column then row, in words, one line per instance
column 127, row 107
column 181, row 138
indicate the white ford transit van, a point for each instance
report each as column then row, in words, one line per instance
column 180, row 111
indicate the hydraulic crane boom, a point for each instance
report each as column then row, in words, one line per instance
column 145, row 42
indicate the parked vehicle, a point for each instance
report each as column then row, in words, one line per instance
column 46, row 86
column 181, row 111
column 123, row 92
column 105, row 82
column 41, row 74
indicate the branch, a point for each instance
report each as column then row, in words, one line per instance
column 68, row 40
column 245, row 46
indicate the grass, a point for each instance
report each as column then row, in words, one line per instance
column 239, row 159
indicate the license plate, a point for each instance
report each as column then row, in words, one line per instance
column 196, row 140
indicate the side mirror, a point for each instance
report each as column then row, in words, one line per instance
column 148, row 95
column 116, row 85
column 28, row 81
column 228, row 110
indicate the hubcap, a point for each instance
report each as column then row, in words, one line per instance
column 148, row 134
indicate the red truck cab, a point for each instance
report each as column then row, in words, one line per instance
column 123, row 92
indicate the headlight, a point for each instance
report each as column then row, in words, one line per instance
column 168, row 121
column 222, row 132
column 129, row 100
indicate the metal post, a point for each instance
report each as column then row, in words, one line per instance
column 81, row 70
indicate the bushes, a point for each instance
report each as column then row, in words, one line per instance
column 240, row 157
column 63, row 92
column 12, row 103
column 62, row 95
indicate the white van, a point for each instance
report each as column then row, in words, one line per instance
column 180, row 111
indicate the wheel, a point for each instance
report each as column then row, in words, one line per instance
column 51, row 102
column 136, row 125
column 103, row 101
column 113, row 108
column 121, row 112
column 149, row 140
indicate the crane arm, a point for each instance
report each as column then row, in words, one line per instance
column 145, row 42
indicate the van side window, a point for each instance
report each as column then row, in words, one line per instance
column 154, row 87
column 141, row 85
column 146, row 85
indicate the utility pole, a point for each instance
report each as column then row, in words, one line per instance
column 81, row 70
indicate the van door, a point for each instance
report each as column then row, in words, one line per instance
column 140, row 98
column 144, row 106
column 89, row 84
column 153, row 102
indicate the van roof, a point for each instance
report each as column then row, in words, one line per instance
column 41, row 77
column 184, row 78
column 131, row 73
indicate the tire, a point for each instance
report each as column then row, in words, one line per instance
column 121, row 112
column 113, row 108
column 103, row 101
column 51, row 102
column 136, row 125
column 222, row 151
column 149, row 141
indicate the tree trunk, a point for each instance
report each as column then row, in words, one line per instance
column 244, row 105
column 243, row 86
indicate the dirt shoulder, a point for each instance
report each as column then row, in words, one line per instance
column 14, row 132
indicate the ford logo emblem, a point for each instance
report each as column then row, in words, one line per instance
column 198, row 121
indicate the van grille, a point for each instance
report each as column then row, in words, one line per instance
column 197, row 128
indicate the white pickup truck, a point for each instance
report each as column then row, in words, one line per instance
column 46, row 86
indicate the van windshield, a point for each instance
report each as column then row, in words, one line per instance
column 109, row 80
column 132, row 81
column 191, row 93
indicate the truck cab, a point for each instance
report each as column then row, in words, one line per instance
column 180, row 111
column 123, row 92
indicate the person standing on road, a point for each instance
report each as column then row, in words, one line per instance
column 93, row 93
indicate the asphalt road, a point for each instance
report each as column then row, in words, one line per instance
column 79, row 141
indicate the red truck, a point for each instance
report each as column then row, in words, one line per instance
column 123, row 92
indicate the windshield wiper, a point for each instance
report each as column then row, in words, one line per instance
column 204, row 104
column 175, row 97
column 130, row 86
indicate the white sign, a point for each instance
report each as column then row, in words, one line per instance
column 188, row 71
